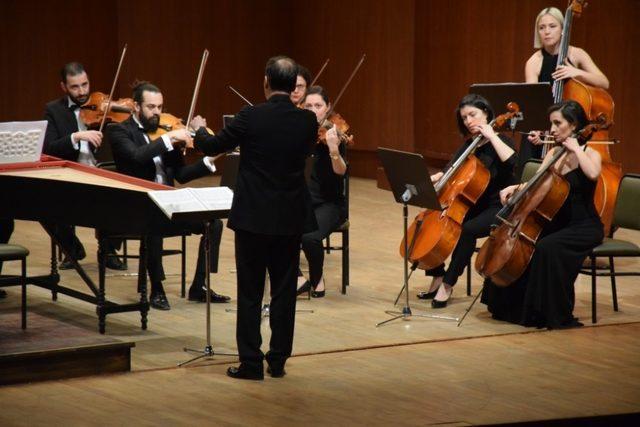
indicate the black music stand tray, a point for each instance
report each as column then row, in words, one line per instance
column 204, row 217
column 534, row 99
column 411, row 185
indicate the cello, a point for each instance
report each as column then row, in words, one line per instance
column 434, row 234
column 594, row 101
column 505, row 255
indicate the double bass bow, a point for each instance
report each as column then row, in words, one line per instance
column 434, row 234
column 505, row 255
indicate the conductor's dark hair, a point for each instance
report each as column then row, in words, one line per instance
column 317, row 90
column 305, row 74
column 282, row 73
column 473, row 100
column 140, row 87
column 572, row 112
column 71, row 69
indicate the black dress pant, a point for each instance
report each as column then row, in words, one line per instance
column 329, row 217
column 255, row 255
column 6, row 229
column 154, row 256
column 477, row 224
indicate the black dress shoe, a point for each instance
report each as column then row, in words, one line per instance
column 242, row 373
column 159, row 302
column 3, row 293
column 201, row 296
column 115, row 263
column 427, row 295
column 276, row 371
column 438, row 304
column 304, row 288
column 317, row 294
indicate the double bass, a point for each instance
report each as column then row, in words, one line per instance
column 505, row 255
column 594, row 101
column 434, row 234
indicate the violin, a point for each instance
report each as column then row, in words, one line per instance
column 169, row 122
column 505, row 255
column 93, row 111
column 342, row 128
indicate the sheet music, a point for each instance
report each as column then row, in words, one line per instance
column 21, row 141
column 214, row 198
column 192, row 199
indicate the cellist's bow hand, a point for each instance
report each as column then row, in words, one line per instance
column 535, row 137
column 506, row 193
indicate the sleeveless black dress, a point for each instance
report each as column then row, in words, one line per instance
column 544, row 295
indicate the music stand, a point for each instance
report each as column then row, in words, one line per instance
column 534, row 99
column 411, row 185
column 205, row 217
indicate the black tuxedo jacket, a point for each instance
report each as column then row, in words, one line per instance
column 61, row 124
column 134, row 157
column 275, row 138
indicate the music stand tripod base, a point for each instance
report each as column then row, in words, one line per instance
column 406, row 314
column 208, row 351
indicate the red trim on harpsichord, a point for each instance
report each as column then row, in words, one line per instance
column 53, row 162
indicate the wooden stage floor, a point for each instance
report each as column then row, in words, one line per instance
column 345, row 370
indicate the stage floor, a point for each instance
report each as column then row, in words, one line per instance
column 342, row 323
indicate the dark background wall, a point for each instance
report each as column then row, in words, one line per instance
column 421, row 57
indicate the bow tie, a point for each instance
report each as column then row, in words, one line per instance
column 73, row 107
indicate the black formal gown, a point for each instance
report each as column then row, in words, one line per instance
column 544, row 295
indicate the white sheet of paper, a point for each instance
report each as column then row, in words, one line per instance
column 21, row 141
column 214, row 198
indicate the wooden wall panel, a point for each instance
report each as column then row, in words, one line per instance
column 421, row 57
column 38, row 38
column 379, row 103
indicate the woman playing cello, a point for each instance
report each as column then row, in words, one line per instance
column 544, row 295
column 498, row 156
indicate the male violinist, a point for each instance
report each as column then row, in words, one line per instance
column 161, row 161
column 68, row 138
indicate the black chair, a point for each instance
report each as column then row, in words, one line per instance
column 529, row 169
column 16, row 253
column 343, row 229
column 625, row 215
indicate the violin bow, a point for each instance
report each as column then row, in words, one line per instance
column 196, row 89
column 333, row 105
column 113, row 88
column 240, row 95
column 315, row 79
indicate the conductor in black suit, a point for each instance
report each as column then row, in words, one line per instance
column 271, row 210
column 162, row 161
column 68, row 138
